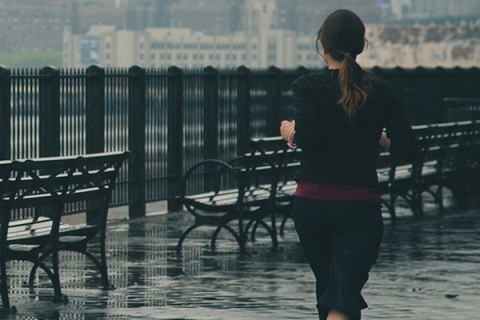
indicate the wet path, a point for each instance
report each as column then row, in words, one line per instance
column 428, row 269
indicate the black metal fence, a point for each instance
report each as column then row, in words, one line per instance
column 171, row 119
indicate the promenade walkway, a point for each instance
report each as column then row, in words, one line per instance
column 427, row 270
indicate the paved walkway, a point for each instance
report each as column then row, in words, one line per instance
column 428, row 269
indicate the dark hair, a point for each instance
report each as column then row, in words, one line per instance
column 342, row 35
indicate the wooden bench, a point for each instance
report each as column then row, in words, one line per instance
column 47, row 190
column 244, row 190
column 260, row 185
column 447, row 150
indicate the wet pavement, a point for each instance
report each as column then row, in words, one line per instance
column 428, row 269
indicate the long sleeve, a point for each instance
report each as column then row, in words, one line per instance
column 308, row 128
column 403, row 140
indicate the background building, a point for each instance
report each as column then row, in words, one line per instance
column 425, row 11
column 108, row 31
column 260, row 45
column 263, row 43
column 33, row 25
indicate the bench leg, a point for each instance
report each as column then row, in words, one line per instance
column 6, row 308
column 287, row 214
column 272, row 231
column 183, row 237
column 102, row 268
column 42, row 265
column 54, row 276
column 240, row 240
column 58, row 296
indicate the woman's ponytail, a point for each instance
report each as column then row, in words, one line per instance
column 342, row 35
column 354, row 87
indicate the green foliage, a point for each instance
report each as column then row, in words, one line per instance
column 31, row 59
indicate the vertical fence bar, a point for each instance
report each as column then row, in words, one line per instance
column 243, row 109
column 136, row 141
column 175, row 135
column 274, row 101
column 5, row 113
column 210, row 129
column 49, row 109
column 94, row 117
column 95, row 110
column 416, row 94
column 210, row 91
column 433, row 95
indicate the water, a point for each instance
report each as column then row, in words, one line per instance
column 428, row 269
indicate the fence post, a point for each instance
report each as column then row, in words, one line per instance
column 243, row 109
column 5, row 113
column 49, row 112
column 433, row 95
column 95, row 110
column 418, row 106
column 274, row 107
column 210, row 96
column 136, row 141
column 175, row 135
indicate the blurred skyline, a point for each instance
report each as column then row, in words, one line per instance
column 32, row 31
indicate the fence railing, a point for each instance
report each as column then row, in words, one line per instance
column 171, row 118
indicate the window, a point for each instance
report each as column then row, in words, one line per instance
column 223, row 46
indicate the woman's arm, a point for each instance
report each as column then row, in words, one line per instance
column 403, row 139
column 308, row 130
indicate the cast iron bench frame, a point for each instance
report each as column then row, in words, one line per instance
column 262, row 185
column 49, row 187
column 259, row 185
column 449, row 154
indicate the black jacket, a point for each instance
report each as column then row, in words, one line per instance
column 342, row 153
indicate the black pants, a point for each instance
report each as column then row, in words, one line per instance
column 341, row 240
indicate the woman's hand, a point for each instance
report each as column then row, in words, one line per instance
column 285, row 128
column 384, row 141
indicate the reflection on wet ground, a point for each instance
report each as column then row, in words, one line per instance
column 427, row 270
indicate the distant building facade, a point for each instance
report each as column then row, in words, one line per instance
column 261, row 45
column 29, row 25
column 428, row 10
column 390, row 46
column 39, row 25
